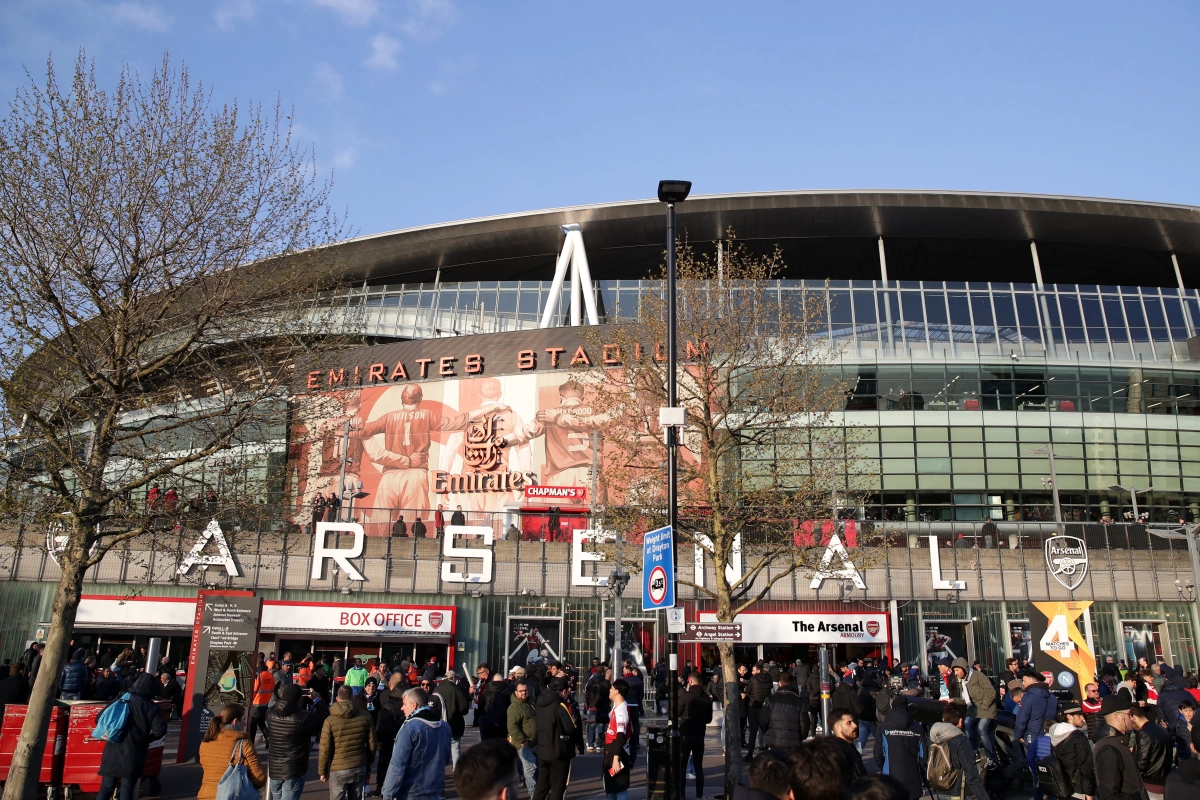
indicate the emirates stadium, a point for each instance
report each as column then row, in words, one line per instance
column 1025, row 368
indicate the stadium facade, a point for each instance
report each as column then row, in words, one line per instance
column 980, row 332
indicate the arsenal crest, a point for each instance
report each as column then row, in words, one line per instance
column 435, row 619
column 873, row 627
column 1067, row 560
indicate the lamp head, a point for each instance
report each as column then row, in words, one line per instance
column 673, row 191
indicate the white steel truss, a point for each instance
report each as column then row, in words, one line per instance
column 573, row 254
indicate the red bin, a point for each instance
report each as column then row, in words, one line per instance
column 56, row 740
column 82, row 767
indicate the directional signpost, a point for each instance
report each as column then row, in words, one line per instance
column 658, row 570
column 712, row 632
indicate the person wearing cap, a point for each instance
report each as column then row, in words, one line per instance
column 1070, row 745
column 559, row 739
column 1037, row 706
column 1117, row 775
column 1153, row 749
column 292, row 730
column 1184, row 782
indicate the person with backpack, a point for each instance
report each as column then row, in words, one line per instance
column 1035, row 752
column 225, row 746
column 695, row 712
column 1068, row 771
column 559, row 738
column 129, row 725
column 900, row 747
column 952, row 768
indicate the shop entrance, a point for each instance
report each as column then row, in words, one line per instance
column 384, row 652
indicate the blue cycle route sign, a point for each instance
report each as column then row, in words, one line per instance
column 658, row 570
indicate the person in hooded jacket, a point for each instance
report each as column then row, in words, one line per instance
column 75, row 677
column 900, row 747
column 1172, row 693
column 1037, row 706
column 1184, row 782
column 292, row 730
column 347, row 746
column 494, row 700
column 1071, row 747
column 1116, row 772
column 417, row 767
column 559, row 738
column 125, row 759
column 845, row 697
column 949, row 732
column 782, row 715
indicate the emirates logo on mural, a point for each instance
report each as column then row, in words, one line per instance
column 482, row 449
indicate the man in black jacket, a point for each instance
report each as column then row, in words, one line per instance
column 126, row 758
column 455, row 706
column 559, row 739
column 782, row 716
column 1153, row 750
column 695, row 712
column 898, row 747
column 292, row 731
column 15, row 688
column 758, row 689
column 387, row 724
column 634, row 700
column 814, row 701
column 1116, row 772
column 1071, row 747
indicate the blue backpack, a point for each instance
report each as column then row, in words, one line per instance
column 110, row 725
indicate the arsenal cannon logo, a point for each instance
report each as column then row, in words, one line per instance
column 1067, row 560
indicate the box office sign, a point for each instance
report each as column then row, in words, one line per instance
column 360, row 618
column 823, row 628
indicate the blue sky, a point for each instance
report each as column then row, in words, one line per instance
column 434, row 110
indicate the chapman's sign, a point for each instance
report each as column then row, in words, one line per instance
column 543, row 350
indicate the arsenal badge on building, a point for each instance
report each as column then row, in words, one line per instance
column 1067, row 560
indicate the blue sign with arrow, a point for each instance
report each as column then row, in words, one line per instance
column 658, row 569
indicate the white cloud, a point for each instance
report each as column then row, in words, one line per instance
column 429, row 18
column 384, row 50
column 144, row 17
column 232, row 11
column 330, row 80
column 344, row 158
column 352, row 12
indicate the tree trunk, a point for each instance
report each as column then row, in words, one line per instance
column 27, row 757
column 733, row 720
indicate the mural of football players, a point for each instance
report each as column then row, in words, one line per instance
column 497, row 442
column 398, row 443
column 568, row 431
column 327, row 449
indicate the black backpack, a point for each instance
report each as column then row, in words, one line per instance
column 1052, row 778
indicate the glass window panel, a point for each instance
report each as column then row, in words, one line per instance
column 1154, row 312
column 1093, row 317
column 960, row 314
column 1136, row 319
column 967, row 450
column 508, row 302
column 910, row 303
column 965, row 434
column 1175, row 317
column 410, row 299
column 1027, row 311
column 1100, row 450
column 1162, row 452
column 898, row 466
column 896, row 449
column 1131, row 435
column 1003, row 466
column 839, row 308
column 1001, row 449
column 933, row 465
column 929, row 383
column 1161, row 437
column 932, row 434
column 981, row 305
column 935, row 306
column 968, row 465
column 1066, row 449
column 1115, row 319
column 1072, row 318
column 530, row 302
column 1035, row 435
column 447, row 298
column 1190, row 453
column 895, row 434
column 1000, row 434
column 932, row 449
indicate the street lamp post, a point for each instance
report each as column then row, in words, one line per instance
column 672, row 192
column 1133, row 493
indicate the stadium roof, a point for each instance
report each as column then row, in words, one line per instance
column 930, row 235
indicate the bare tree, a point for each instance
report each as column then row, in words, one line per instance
column 764, row 453
column 161, row 261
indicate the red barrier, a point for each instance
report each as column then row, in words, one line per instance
column 56, row 740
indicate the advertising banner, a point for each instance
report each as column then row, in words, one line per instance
column 944, row 640
column 1021, row 641
column 221, row 662
column 1060, row 649
column 532, row 640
